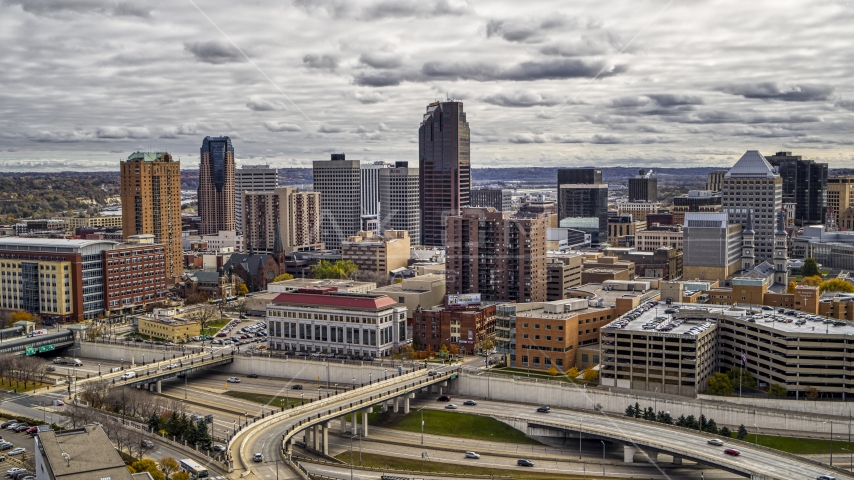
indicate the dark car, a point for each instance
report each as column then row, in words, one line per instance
column 524, row 463
column 297, row 387
column 252, row 375
column 341, row 357
column 732, row 451
column 444, row 398
column 469, row 402
column 368, row 359
column 7, row 423
column 544, row 409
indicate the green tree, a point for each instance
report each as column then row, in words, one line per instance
column 340, row 269
column 747, row 379
column 711, row 426
column 202, row 435
column 724, row 432
column 742, row 432
column 719, row 384
column 810, row 268
column 649, row 414
column 630, row 411
column 836, row 285
column 777, row 390
column 283, row 277
column 691, row 422
column 682, row 421
column 154, row 423
column 638, row 410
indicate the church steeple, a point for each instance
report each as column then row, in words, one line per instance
column 781, row 257
column 278, row 247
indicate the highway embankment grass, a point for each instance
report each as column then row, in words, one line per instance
column 803, row 446
column 271, row 401
column 453, row 424
column 427, row 466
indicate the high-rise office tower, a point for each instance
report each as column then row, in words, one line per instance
column 497, row 198
column 501, row 257
column 840, row 196
column 216, row 186
column 339, row 183
column 151, row 203
column 584, row 175
column 582, row 202
column 643, row 187
column 371, row 186
column 251, row 178
column 285, row 211
column 752, row 185
column 444, row 163
column 804, row 184
column 715, row 181
column 400, row 207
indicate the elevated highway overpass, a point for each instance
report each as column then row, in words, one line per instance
column 273, row 436
column 39, row 343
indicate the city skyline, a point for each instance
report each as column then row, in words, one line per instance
column 640, row 83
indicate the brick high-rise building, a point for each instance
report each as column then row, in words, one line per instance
column 216, row 186
column 151, row 203
column 295, row 214
column 251, row 178
column 501, row 257
column 339, row 183
column 444, row 162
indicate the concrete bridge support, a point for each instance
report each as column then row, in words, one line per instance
column 677, row 460
column 325, row 429
column 318, row 433
column 343, row 424
column 629, row 454
column 159, row 386
column 396, row 401
column 406, row 403
column 365, row 413
column 653, row 457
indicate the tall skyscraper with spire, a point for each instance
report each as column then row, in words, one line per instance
column 216, row 186
column 444, row 167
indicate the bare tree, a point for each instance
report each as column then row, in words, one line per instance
column 95, row 392
column 204, row 315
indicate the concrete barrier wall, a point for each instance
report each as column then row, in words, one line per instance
column 564, row 395
column 840, row 409
column 122, row 352
column 338, row 371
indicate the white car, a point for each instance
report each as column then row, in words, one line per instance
column 219, row 448
column 17, row 451
column 258, row 457
column 717, row 442
column 13, row 471
column 233, row 380
column 472, row 455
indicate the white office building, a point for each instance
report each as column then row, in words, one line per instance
column 339, row 182
column 252, row 178
column 318, row 320
column 400, row 206
column 753, row 185
column 371, row 186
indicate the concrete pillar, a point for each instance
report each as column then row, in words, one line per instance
column 629, row 453
column 317, row 435
column 406, row 404
column 305, row 437
column 384, row 407
column 343, row 424
column 677, row 460
column 288, row 448
column 325, row 430
column 653, row 457
column 365, row 413
column 396, row 401
column 440, row 390
column 159, row 387
column 355, row 418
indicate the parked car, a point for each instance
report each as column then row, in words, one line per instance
column 7, row 423
column 544, row 409
column 716, row 441
column 233, row 380
column 17, row 451
column 524, row 463
column 472, row 455
column 6, row 446
column 469, row 402
column 732, row 451
column 444, row 398
column 14, row 470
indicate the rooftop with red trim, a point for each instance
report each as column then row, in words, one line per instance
column 330, row 298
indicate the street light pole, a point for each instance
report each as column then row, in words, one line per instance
column 603, row 459
column 580, row 420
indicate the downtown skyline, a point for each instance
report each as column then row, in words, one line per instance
column 86, row 82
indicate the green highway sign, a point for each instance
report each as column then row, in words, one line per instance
column 30, row 351
column 47, row 348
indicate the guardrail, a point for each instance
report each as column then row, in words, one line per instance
column 397, row 471
column 157, row 367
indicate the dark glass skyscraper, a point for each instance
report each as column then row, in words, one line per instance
column 216, row 186
column 804, row 184
column 444, row 161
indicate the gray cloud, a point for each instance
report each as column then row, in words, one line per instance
column 527, row 138
column 116, row 133
column 381, row 60
column 521, row 99
column 720, row 116
column 846, row 104
column 525, row 71
column 773, row 91
column 261, row 105
column 329, row 129
column 370, row 97
column 670, row 100
column 282, row 127
column 50, row 8
column 624, row 102
column 529, row 30
column 215, row 52
column 413, row 8
column 379, row 79
column 321, row 62
column 605, row 139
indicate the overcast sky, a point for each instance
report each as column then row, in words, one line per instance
column 83, row 83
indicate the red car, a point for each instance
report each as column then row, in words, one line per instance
column 444, row 398
column 220, row 334
column 732, row 451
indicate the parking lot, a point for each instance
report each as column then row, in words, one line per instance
column 12, row 442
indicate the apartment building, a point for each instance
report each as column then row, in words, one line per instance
column 468, row 327
column 74, row 280
column 284, row 215
column 497, row 198
column 498, row 256
column 377, row 253
column 650, row 240
column 252, row 178
column 638, row 210
column 339, row 183
column 323, row 320
column 563, row 274
column 107, row 221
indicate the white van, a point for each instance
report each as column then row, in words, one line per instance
column 127, row 375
